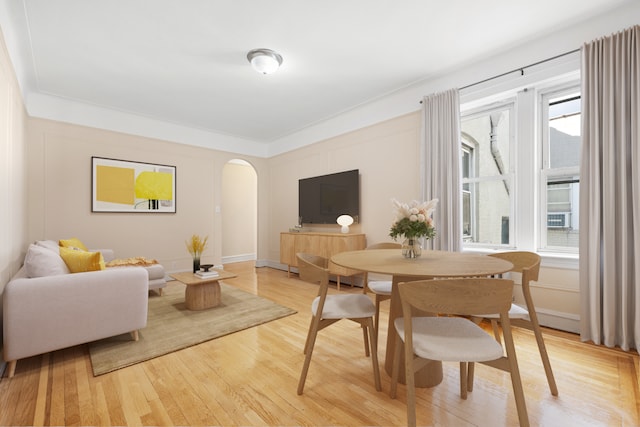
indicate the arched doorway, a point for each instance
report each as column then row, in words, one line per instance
column 239, row 212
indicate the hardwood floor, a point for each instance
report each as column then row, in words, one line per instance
column 249, row 378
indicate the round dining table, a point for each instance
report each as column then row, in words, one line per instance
column 430, row 265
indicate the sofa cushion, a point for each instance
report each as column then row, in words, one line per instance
column 80, row 261
column 42, row 262
column 73, row 243
column 49, row 244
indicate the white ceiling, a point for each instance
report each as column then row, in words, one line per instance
column 184, row 61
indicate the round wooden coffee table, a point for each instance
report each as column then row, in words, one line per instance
column 202, row 293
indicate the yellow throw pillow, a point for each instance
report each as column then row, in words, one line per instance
column 73, row 243
column 81, row 261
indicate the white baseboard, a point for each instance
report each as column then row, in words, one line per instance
column 263, row 263
column 238, row 258
column 558, row 320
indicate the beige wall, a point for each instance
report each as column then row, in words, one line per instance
column 13, row 178
column 60, row 191
column 387, row 155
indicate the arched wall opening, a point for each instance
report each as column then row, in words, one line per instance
column 239, row 212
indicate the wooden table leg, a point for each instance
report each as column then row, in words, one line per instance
column 430, row 375
column 202, row 296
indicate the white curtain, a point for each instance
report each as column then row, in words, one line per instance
column 441, row 133
column 610, row 191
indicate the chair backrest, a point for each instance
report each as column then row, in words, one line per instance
column 465, row 296
column 385, row 245
column 313, row 269
column 527, row 263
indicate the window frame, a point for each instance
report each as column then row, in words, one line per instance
column 547, row 172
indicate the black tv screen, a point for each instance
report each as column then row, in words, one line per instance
column 322, row 199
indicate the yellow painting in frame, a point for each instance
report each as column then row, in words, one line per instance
column 128, row 186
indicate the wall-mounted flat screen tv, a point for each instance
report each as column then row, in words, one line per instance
column 322, row 199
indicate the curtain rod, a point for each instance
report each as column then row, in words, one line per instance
column 521, row 69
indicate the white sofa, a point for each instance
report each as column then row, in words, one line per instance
column 50, row 309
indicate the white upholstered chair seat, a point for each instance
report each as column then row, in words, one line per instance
column 380, row 287
column 345, row 306
column 451, row 339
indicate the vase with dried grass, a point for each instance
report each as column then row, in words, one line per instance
column 196, row 246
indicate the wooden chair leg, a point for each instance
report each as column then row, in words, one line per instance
column 374, row 355
column 463, row 380
column 411, row 388
column 366, row 340
column 306, row 343
column 377, row 319
column 135, row 335
column 11, row 369
column 395, row 371
column 516, row 381
column 311, row 341
column 544, row 355
column 471, row 368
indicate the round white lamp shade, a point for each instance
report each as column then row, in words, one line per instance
column 265, row 61
column 345, row 221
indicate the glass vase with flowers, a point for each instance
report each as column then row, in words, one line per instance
column 413, row 221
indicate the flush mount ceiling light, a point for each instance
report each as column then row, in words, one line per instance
column 265, row 61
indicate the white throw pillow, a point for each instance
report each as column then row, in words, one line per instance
column 49, row 244
column 42, row 262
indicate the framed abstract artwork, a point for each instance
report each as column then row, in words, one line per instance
column 126, row 186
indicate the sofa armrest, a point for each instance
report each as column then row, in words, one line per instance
column 48, row 313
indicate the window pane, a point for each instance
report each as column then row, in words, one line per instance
column 491, row 133
column 492, row 208
column 466, row 216
column 564, row 132
column 563, row 212
column 486, row 199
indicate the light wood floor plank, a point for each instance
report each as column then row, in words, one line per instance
column 249, row 378
column 41, row 396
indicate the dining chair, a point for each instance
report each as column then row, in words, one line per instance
column 329, row 309
column 451, row 337
column 380, row 288
column 528, row 265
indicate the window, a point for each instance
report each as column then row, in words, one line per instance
column 560, row 176
column 521, row 170
column 468, row 227
column 487, row 136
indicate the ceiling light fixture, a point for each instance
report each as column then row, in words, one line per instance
column 265, row 61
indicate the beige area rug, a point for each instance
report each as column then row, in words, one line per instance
column 172, row 327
